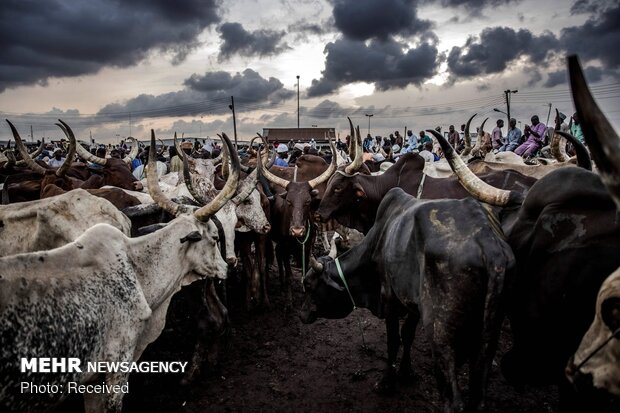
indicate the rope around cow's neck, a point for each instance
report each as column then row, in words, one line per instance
column 346, row 286
column 303, row 255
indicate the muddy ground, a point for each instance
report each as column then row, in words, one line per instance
column 274, row 363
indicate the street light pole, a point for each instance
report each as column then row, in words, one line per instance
column 370, row 115
column 232, row 107
column 297, row 101
column 507, row 93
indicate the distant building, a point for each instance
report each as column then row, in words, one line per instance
column 284, row 135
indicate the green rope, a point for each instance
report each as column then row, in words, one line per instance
column 303, row 256
column 346, row 286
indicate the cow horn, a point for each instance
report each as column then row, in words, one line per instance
column 32, row 155
column 177, row 145
column 251, row 151
column 315, row 265
column 134, row 150
column 62, row 170
column 218, row 159
column 328, row 172
column 602, row 139
column 474, row 185
column 267, row 174
column 87, row 156
column 359, row 157
column 558, row 150
column 247, row 186
column 467, row 149
column 225, row 161
column 19, row 144
column 481, row 130
column 583, row 157
column 268, row 162
column 10, row 159
column 152, row 182
column 229, row 189
column 187, row 177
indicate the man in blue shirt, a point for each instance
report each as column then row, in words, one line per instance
column 512, row 138
column 282, row 154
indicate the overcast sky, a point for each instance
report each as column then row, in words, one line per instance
column 115, row 67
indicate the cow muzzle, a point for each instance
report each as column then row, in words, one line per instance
column 297, row 231
column 231, row 261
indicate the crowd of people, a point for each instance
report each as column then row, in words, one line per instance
column 532, row 141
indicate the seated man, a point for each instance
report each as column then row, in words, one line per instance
column 535, row 135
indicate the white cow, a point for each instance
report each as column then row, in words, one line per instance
column 102, row 297
column 51, row 222
column 598, row 355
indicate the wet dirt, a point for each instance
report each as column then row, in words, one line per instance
column 272, row 362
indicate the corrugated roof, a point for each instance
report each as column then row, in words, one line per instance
column 298, row 134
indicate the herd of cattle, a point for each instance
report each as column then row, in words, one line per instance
column 90, row 261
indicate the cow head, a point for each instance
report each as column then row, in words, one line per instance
column 343, row 194
column 344, row 190
column 325, row 293
column 248, row 207
column 298, row 198
column 597, row 360
column 202, row 255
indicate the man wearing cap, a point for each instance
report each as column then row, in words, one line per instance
column 57, row 159
column 282, row 154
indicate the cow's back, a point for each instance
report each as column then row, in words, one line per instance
column 91, row 313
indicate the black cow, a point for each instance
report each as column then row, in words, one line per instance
column 452, row 276
column 352, row 198
column 565, row 236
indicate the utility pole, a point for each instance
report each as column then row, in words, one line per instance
column 370, row 115
column 548, row 114
column 232, row 107
column 507, row 93
column 31, row 135
column 297, row 101
column 130, row 124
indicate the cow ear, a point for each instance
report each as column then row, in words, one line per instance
column 191, row 237
column 610, row 313
column 314, row 193
column 359, row 191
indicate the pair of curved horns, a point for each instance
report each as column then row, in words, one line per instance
column 205, row 212
column 357, row 148
column 313, row 182
column 62, row 170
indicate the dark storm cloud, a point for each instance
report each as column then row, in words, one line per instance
column 43, row 39
column 386, row 64
column 472, row 5
column 592, row 74
column 237, row 40
column 366, row 19
column 590, row 6
column 206, row 94
column 597, row 38
column 496, row 48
